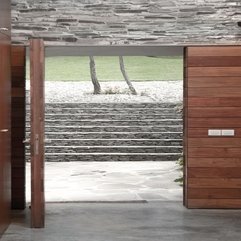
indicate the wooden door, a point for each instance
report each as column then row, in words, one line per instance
column 5, row 115
column 5, row 136
column 18, row 70
column 213, row 127
column 37, row 132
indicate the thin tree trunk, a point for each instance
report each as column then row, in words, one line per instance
column 123, row 70
column 97, row 88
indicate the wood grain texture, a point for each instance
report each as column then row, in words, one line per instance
column 227, row 112
column 214, row 183
column 214, row 71
column 213, row 164
column 37, row 133
column 214, row 61
column 214, row 101
column 215, row 193
column 214, row 172
column 215, row 122
column 18, row 59
column 208, row 51
column 214, row 152
column 203, row 132
column 209, row 82
column 5, row 117
column 214, row 92
column 214, row 203
column 214, row 142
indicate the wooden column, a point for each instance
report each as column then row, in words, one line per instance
column 5, row 115
column 213, row 102
column 5, row 136
column 18, row 70
column 37, row 132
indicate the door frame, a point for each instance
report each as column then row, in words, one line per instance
column 37, row 106
column 37, row 58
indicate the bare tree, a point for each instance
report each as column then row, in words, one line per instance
column 94, row 79
column 123, row 70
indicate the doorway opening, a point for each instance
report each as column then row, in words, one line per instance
column 113, row 146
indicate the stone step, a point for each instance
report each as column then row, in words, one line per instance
column 112, row 149
column 116, row 135
column 156, row 128
column 114, row 142
column 112, row 132
column 97, row 122
column 108, row 116
column 102, row 157
column 114, row 105
column 137, row 111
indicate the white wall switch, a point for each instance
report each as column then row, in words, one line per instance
column 214, row 132
column 228, row 133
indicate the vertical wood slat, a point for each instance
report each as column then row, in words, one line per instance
column 18, row 70
column 37, row 132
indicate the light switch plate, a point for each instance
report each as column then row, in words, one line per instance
column 214, row 132
column 228, row 132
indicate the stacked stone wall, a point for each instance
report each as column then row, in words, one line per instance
column 126, row 22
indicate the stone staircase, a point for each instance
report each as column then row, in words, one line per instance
column 112, row 132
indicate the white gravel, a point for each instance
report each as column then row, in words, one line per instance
column 151, row 91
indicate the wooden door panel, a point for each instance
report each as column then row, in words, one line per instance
column 5, row 135
column 18, row 60
column 37, row 132
column 213, row 163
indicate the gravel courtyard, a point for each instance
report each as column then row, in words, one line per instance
column 151, row 91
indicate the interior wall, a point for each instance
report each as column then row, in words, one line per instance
column 5, row 115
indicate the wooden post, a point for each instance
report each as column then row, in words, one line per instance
column 37, row 132
column 18, row 123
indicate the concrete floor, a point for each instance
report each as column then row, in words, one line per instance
column 110, row 181
column 154, row 221
column 125, row 217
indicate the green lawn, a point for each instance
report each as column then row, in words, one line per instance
column 138, row 68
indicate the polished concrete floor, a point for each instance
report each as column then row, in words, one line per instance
column 121, row 202
column 153, row 221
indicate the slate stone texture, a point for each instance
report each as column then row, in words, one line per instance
column 125, row 22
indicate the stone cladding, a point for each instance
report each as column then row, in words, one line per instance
column 126, row 22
